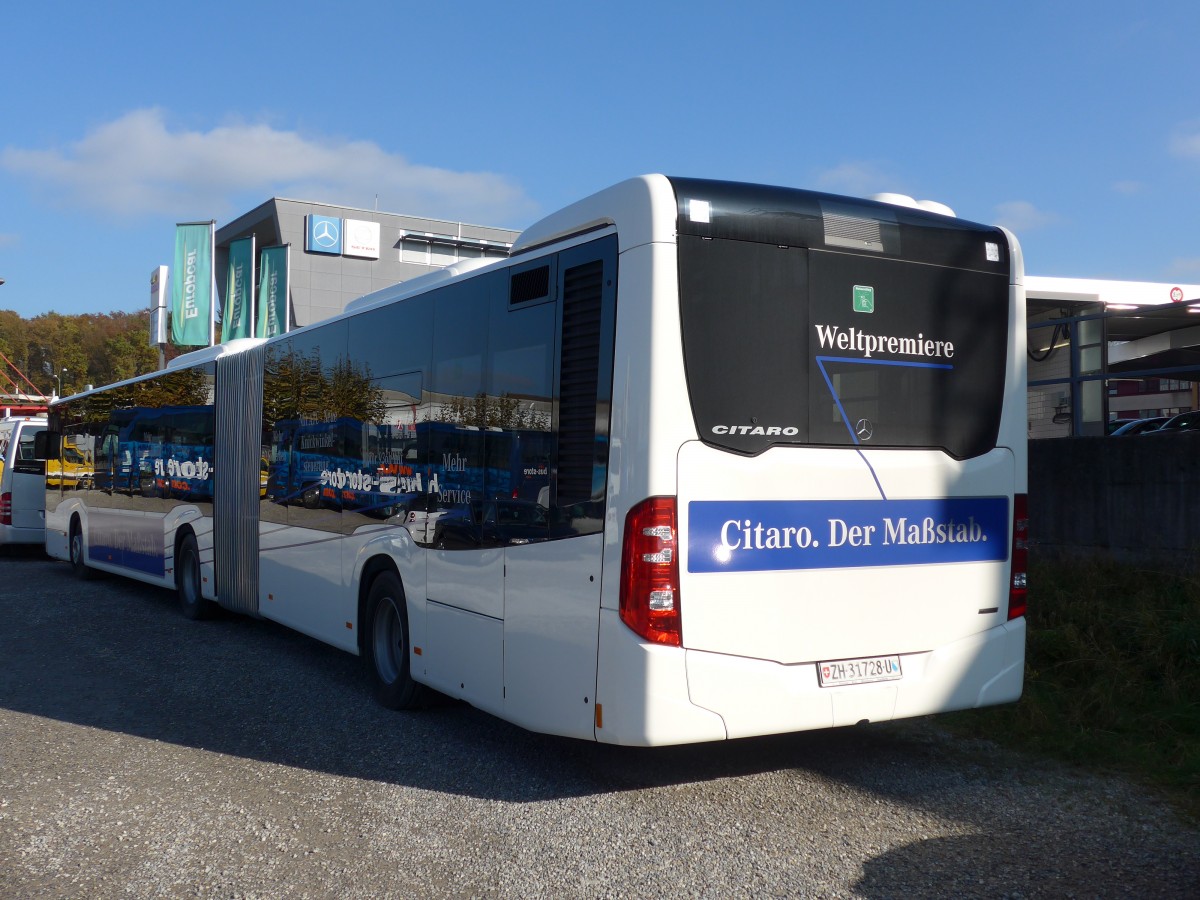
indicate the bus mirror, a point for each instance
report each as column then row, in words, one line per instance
column 47, row 445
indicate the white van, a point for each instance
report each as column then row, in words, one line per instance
column 22, row 482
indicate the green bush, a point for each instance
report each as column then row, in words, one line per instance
column 1112, row 674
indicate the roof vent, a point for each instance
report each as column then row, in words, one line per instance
column 846, row 227
column 904, row 200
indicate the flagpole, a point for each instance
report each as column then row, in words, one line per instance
column 212, row 266
column 252, row 291
column 287, row 290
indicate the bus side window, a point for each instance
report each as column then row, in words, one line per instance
column 520, row 391
column 459, row 426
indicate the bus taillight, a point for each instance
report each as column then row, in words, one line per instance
column 5, row 509
column 1018, row 587
column 650, row 572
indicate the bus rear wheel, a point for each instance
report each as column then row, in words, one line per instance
column 187, row 580
column 387, row 645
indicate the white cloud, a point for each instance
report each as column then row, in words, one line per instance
column 9, row 240
column 1128, row 188
column 1185, row 267
column 1021, row 216
column 136, row 165
column 1185, row 141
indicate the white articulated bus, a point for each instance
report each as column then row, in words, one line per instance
column 702, row 460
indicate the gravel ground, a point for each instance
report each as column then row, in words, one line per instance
column 142, row 755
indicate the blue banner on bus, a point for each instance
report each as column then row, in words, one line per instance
column 778, row 535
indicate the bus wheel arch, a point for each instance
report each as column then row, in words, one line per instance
column 187, row 577
column 385, row 638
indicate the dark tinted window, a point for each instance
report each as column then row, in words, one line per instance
column 279, row 411
column 459, row 412
column 475, row 415
column 151, row 442
column 520, row 388
column 785, row 345
column 744, row 339
column 315, row 404
column 393, row 339
column 937, row 376
column 394, row 344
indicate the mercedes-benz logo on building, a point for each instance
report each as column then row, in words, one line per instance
column 864, row 429
column 325, row 234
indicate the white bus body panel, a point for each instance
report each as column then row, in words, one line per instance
column 305, row 582
column 650, row 415
column 821, row 614
column 470, row 580
column 551, row 609
column 57, row 522
column 301, row 583
column 752, row 639
column 309, row 580
column 643, row 691
column 108, row 533
column 642, row 208
column 983, row 669
column 1014, row 415
column 463, row 656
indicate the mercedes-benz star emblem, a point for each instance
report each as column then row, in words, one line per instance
column 864, row 429
column 325, row 234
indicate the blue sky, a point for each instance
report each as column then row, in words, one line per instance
column 1075, row 124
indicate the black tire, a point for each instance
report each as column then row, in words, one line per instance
column 76, row 550
column 187, row 580
column 387, row 645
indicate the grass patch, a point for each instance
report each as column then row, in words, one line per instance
column 1112, row 675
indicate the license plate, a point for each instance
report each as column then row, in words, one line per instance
column 858, row 671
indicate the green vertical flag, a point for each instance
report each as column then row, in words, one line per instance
column 191, row 286
column 273, row 291
column 239, row 289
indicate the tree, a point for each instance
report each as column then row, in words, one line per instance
column 94, row 348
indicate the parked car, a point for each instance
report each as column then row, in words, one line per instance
column 1188, row 421
column 491, row 523
column 1139, row 426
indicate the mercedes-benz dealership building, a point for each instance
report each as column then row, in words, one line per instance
column 339, row 253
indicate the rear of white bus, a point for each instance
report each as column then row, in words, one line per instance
column 844, row 541
column 22, row 482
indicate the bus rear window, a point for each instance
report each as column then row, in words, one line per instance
column 787, row 345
